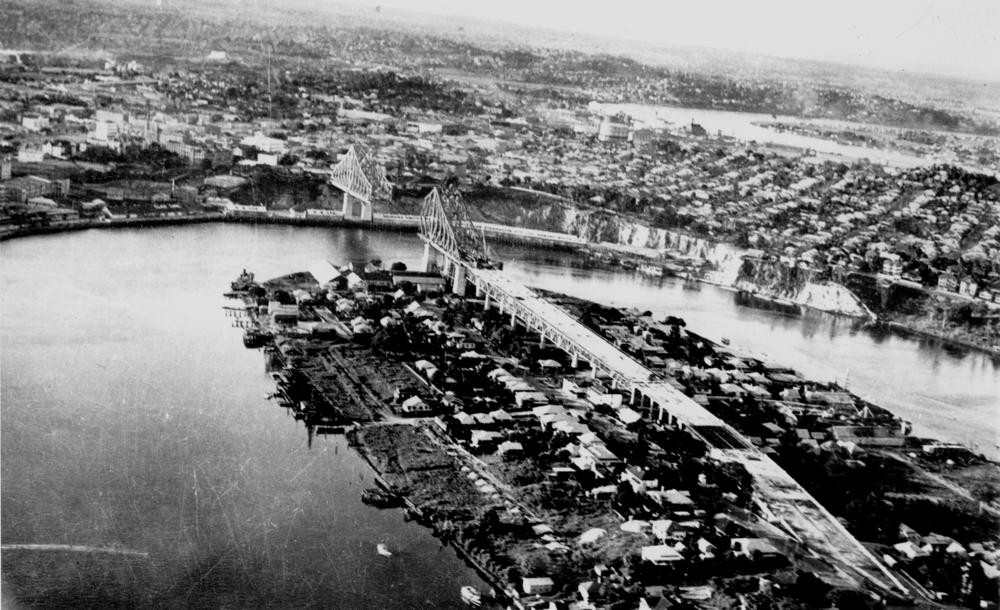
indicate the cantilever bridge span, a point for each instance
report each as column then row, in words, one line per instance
column 362, row 179
column 780, row 500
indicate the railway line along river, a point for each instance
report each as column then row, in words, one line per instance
column 134, row 418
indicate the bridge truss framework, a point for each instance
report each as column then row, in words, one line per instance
column 362, row 179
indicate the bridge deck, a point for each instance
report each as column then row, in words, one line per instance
column 559, row 320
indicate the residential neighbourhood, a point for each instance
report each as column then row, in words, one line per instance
column 569, row 320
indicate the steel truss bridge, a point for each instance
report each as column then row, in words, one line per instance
column 450, row 236
column 362, row 179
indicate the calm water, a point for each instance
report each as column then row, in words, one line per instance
column 741, row 125
column 132, row 415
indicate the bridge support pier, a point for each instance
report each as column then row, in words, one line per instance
column 458, row 283
column 428, row 260
column 486, row 302
column 356, row 209
column 513, row 320
column 575, row 361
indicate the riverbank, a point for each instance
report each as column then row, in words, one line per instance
column 83, row 225
column 938, row 338
column 441, row 490
column 161, row 221
column 400, row 223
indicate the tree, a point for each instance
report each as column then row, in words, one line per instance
column 283, row 297
column 391, row 340
column 398, row 266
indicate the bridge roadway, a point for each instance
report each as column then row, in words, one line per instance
column 778, row 496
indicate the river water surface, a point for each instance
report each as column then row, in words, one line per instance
column 747, row 126
column 133, row 417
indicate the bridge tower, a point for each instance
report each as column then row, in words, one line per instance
column 447, row 230
column 362, row 179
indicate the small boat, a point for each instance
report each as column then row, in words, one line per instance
column 725, row 340
column 690, row 283
column 651, row 270
column 383, row 550
column 471, row 596
column 253, row 338
column 381, row 498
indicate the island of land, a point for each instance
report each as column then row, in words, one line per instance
column 561, row 488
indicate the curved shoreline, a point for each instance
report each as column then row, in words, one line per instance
column 383, row 225
column 159, row 221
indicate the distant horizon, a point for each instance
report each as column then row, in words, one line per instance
column 928, row 37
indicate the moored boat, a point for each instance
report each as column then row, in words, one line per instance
column 381, row 498
column 383, row 550
column 651, row 270
column 758, row 301
column 253, row 338
column 690, row 282
column 471, row 596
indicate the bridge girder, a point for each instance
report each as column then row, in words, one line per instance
column 445, row 223
column 360, row 175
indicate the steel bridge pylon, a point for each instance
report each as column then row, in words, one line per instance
column 362, row 179
column 447, row 230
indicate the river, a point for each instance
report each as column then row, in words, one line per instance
column 746, row 126
column 132, row 416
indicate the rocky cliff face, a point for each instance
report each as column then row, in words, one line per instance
column 773, row 279
column 725, row 260
column 598, row 226
column 603, row 227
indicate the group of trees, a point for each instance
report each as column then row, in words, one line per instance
column 154, row 156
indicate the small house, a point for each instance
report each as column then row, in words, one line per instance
column 660, row 554
column 414, row 405
column 538, row 585
column 510, row 448
column 753, row 548
column 485, row 440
